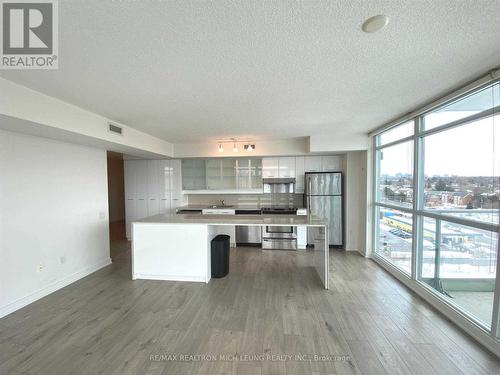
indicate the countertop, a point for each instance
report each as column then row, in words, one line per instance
column 261, row 220
column 201, row 207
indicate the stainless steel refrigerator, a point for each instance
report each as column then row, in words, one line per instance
column 323, row 198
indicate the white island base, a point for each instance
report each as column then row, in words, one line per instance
column 177, row 247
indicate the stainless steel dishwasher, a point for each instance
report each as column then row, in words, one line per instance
column 248, row 235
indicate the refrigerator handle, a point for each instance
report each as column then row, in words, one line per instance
column 309, row 186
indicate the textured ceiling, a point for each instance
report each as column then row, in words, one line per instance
column 197, row 70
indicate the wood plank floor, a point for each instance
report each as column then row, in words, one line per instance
column 270, row 306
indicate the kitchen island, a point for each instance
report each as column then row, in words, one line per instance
column 176, row 247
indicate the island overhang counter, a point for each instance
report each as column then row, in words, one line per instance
column 177, row 247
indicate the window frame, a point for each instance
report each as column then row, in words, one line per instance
column 417, row 208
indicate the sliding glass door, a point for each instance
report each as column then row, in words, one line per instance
column 437, row 202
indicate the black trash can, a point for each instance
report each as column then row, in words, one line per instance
column 220, row 256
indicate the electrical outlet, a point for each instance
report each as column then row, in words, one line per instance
column 62, row 259
column 102, row 215
column 39, row 268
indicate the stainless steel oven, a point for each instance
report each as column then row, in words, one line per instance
column 279, row 237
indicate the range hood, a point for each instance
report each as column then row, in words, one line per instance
column 278, row 181
column 278, row 185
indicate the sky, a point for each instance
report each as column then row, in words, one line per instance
column 469, row 150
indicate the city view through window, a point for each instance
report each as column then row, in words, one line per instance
column 460, row 169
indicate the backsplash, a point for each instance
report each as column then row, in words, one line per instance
column 249, row 200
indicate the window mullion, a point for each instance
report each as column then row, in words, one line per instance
column 416, row 198
column 495, row 322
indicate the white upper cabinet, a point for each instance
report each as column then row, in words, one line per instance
column 136, row 178
column 213, row 173
column 141, row 178
column 326, row 163
column 286, row 167
column 153, row 183
column 313, row 163
column 164, row 178
column 270, row 168
column 299, row 174
column 283, row 167
column 331, row 163
column 176, row 177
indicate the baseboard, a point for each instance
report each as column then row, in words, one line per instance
column 145, row 276
column 51, row 288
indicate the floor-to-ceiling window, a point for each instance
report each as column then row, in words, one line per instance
column 437, row 201
column 394, row 195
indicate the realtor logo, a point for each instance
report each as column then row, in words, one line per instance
column 29, row 34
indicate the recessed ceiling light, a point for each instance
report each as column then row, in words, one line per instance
column 375, row 23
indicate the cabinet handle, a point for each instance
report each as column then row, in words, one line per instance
column 152, row 199
column 141, row 199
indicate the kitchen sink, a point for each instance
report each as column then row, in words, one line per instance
column 215, row 206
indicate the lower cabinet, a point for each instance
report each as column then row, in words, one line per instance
column 136, row 209
column 153, row 206
column 141, row 209
column 165, row 205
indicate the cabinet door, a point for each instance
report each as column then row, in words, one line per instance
column 313, row 163
column 287, row 167
column 175, row 177
column 142, row 179
column 175, row 202
column 130, row 177
column 153, row 178
column 164, row 172
column 165, row 205
column 213, row 173
column 331, row 163
column 153, row 206
column 299, row 174
column 193, row 174
column 255, row 173
column 243, row 180
column 141, row 208
column 228, row 171
column 153, row 187
column 270, row 168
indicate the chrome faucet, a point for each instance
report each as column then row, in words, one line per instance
column 222, row 202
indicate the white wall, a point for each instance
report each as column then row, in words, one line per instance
column 53, row 214
column 338, row 142
column 355, row 167
column 46, row 116
column 287, row 147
